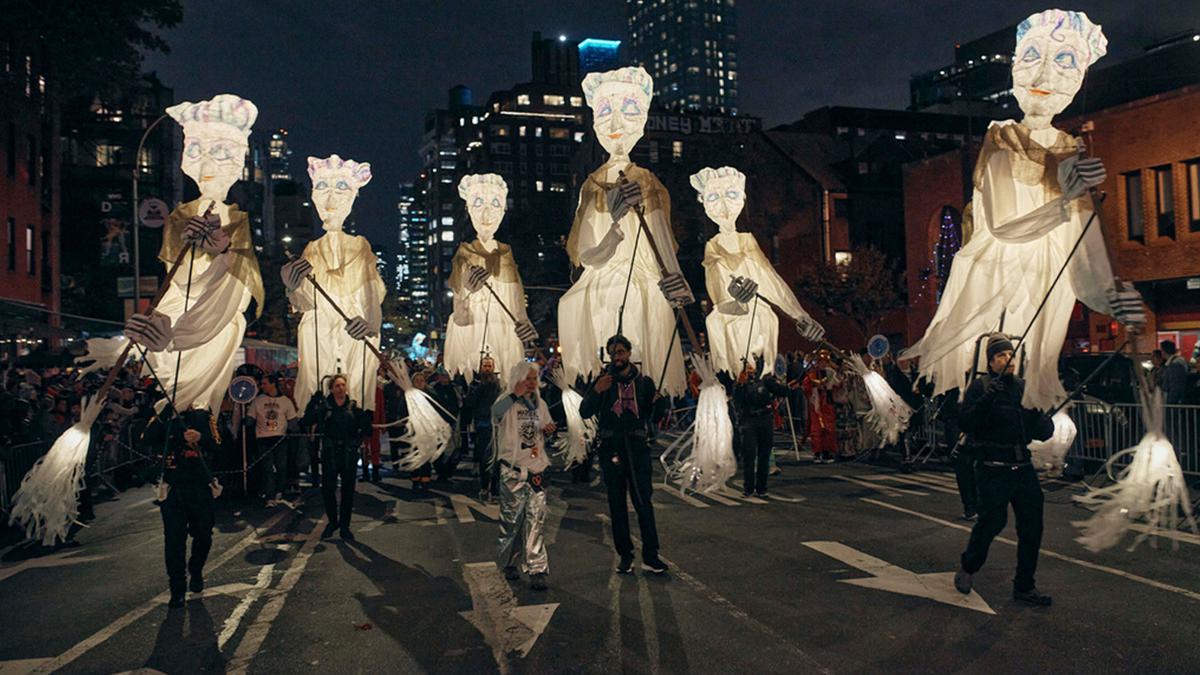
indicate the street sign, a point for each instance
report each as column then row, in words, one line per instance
column 1193, row 284
column 243, row 389
column 125, row 286
column 878, row 347
column 153, row 212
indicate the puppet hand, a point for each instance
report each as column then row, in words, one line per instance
column 295, row 272
column 743, row 289
column 216, row 243
column 216, row 488
column 476, row 278
column 1076, row 175
column 1127, row 306
column 199, row 228
column 675, row 289
column 623, row 197
column 152, row 332
column 358, row 328
column 526, row 332
column 810, row 329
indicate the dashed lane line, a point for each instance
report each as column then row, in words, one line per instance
column 1187, row 593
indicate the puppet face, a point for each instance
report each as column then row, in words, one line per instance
column 619, row 112
column 723, row 199
column 213, row 155
column 333, row 196
column 485, row 205
column 1048, row 68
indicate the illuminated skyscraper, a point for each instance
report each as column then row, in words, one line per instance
column 690, row 48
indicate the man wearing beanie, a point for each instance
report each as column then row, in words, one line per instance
column 998, row 433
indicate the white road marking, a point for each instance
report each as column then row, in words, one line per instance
column 506, row 626
column 733, row 610
column 235, row 618
column 464, row 505
column 61, row 559
column 938, row 586
column 21, row 666
column 676, row 492
column 1176, row 535
column 102, row 635
column 389, row 510
column 889, row 491
column 649, row 624
column 256, row 632
column 1187, row 593
column 777, row 497
column 735, row 494
column 911, row 480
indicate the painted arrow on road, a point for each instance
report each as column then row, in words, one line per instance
column 506, row 627
column 938, row 586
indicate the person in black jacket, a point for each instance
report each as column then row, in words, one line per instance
column 477, row 410
column 342, row 428
column 185, row 496
column 999, row 429
column 625, row 404
column 754, row 399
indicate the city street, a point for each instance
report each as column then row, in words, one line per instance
column 845, row 568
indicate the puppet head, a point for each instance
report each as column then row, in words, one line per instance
column 486, row 195
column 214, row 141
column 723, row 193
column 1054, row 50
column 336, row 182
column 620, row 103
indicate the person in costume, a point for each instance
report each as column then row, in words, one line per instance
column 999, row 429
column 818, row 386
column 734, row 323
column 1030, row 206
column 193, row 335
column 479, row 327
column 616, row 292
column 346, row 268
column 625, row 405
column 522, row 425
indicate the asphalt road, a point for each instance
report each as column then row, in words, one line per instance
column 845, row 569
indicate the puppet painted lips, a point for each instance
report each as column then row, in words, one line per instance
column 1040, row 92
column 615, row 136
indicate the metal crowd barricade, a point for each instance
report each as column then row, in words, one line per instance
column 1104, row 429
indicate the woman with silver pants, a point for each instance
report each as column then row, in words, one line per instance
column 521, row 422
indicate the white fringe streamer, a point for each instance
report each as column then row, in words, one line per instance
column 427, row 433
column 103, row 353
column 1150, row 488
column 1050, row 455
column 580, row 432
column 711, row 462
column 47, row 503
column 889, row 414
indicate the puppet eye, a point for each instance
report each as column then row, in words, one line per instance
column 604, row 109
column 220, row 153
column 343, row 185
column 733, row 194
column 712, row 196
column 495, row 202
column 631, row 107
column 1031, row 55
column 1066, row 60
column 193, row 150
column 478, row 202
column 321, row 185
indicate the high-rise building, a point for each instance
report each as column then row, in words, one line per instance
column 979, row 82
column 596, row 55
column 281, row 155
column 411, row 281
column 690, row 48
column 555, row 61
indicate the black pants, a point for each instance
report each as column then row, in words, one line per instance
column 489, row 476
column 338, row 461
column 187, row 511
column 275, row 465
column 999, row 487
column 631, row 471
column 757, row 440
column 968, row 490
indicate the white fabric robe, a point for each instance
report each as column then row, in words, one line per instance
column 478, row 317
column 729, row 324
column 346, row 268
column 588, row 312
column 1023, row 233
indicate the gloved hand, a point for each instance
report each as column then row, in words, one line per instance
column 993, row 387
column 810, row 330
column 1076, row 175
column 526, row 332
column 295, row 272
column 623, row 197
column 675, row 288
column 161, row 490
column 206, row 234
column 358, row 328
column 152, row 332
column 215, row 487
column 743, row 289
column 476, row 277
column 1127, row 304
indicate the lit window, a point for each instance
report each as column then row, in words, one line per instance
column 842, row 257
column 560, row 133
column 448, row 221
column 448, row 235
column 553, row 99
column 677, row 150
column 522, row 99
column 578, row 136
column 1193, row 190
column 537, row 131
column 521, row 130
column 1164, row 200
column 538, row 185
column 558, row 187
column 577, row 101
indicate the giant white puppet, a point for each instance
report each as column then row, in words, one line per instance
column 193, row 335
column 483, row 276
column 621, row 288
column 345, row 267
column 741, row 327
column 1031, row 206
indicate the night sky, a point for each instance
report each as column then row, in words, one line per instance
column 356, row 78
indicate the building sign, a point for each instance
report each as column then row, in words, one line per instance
column 125, row 286
column 153, row 212
column 701, row 124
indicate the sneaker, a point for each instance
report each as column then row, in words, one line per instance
column 746, row 492
column 970, row 515
column 761, row 494
column 196, row 583
column 511, row 573
column 1032, row 597
column 625, row 565
column 654, row 566
column 538, row 582
column 176, row 600
column 346, row 534
column 329, row 530
column 775, row 471
column 962, row 581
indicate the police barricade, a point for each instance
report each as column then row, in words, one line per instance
column 1104, row 429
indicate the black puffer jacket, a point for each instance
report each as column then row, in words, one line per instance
column 998, row 428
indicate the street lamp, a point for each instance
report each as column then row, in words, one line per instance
column 137, row 247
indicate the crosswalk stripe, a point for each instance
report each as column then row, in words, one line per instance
column 887, row 490
column 912, row 480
